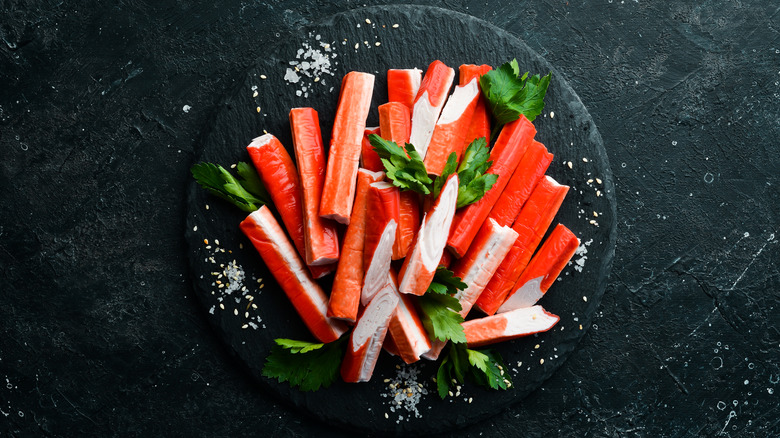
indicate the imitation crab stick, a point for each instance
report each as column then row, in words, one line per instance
column 365, row 342
column 452, row 127
column 420, row 264
column 402, row 85
column 280, row 177
column 428, row 104
column 345, row 146
column 543, row 269
column 348, row 282
column 505, row 155
column 534, row 219
column 395, row 122
column 407, row 337
column 381, row 223
column 369, row 159
column 322, row 242
column 531, row 169
column 288, row 269
column 477, row 267
column 509, row 325
column 480, row 122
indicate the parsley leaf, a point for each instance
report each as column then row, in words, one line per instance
column 484, row 367
column 445, row 282
column 218, row 181
column 251, row 181
column 473, row 182
column 440, row 308
column 405, row 168
column 508, row 94
column 449, row 169
column 306, row 365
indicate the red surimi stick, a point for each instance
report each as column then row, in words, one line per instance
column 322, row 241
column 402, row 85
column 345, row 146
column 395, row 122
column 381, row 223
column 452, row 127
column 369, row 159
column 531, row 169
column 476, row 267
column 407, row 337
column 365, row 342
column 288, row 269
column 428, row 104
column 480, row 122
column 506, row 154
column 509, row 325
column 543, row 269
column 534, row 219
column 446, row 259
column 280, row 177
column 420, row 264
column 348, row 282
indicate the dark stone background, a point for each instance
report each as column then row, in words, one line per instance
column 102, row 336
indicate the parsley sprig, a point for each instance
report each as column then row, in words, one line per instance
column 245, row 191
column 305, row 365
column 484, row 367
column 404, row 168
column 439, row 308
column 473, row 182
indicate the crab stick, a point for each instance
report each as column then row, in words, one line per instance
column 480, row 122
column 395, row 122
column 402, row 85
column 509, row 325
column 322, row 242
column 381, row 223
column 407, row 336
column 446, row 259
column 280, row 177
column 534, row 219
column 452, row 127
column 288, row 269
column 348, row 282
column 369, row 159
column 428, row 104
column 531, row 169
column 506, row 154
column 543, row 269
column 365, row 342
column 477, row 267
column 420, row 264
column 345, row 146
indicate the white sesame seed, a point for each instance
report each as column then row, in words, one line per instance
column 195, row 228
column 216, row 241
column 595, row 214
column 377, row 44
column 395, row 26
column 584, row 298
column 221, row 306
column 570, row 164
column 245, row 326
column 255, row 94
column 598, row 180
column 536, row 346
column 357, row 46
column 368, row 21
column 541, row 361
column 263, row 77
column 235, row 312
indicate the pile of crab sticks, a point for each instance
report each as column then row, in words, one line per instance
column 385, row 219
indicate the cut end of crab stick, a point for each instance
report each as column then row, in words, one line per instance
column 288, row 269
column 369, row 159
column 322, row 245
column 345, row 146
column 408, row 337
column 348, row 282
column 381, row 225
column 509, row 325
column 543, row 269
column 423, row 259
column 395, row 122
column 505, row 155
column 531, row 169
column 366, row 340
column 428, row 104
column 480, row 122
column 402, row 85
column 452, row 127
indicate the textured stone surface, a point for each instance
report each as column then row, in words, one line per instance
column 102, row 332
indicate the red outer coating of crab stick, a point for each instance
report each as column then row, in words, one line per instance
column 509, row 325
column 477, row 267
column 402, row 85
column 446, row 259
column 534, row 219
column 280, row 177
column 322, row 241
column 428, row 104
column 506, row 154
column 480, row 122
column 345, row 146
column 365, row 342
column 543, row 269
column 381, row 224
column 288, row 269
column 348, row 282
column 395, row 122
column 420, row 264
column 369, row 159
column 452, row 127
column 407, row 336
column 531, row 169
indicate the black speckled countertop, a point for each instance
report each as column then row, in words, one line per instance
column 103, row 105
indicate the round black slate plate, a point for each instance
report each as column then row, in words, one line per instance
column 407, row 36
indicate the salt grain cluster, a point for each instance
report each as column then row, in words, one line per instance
column 404, row 391
column 312, row 63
